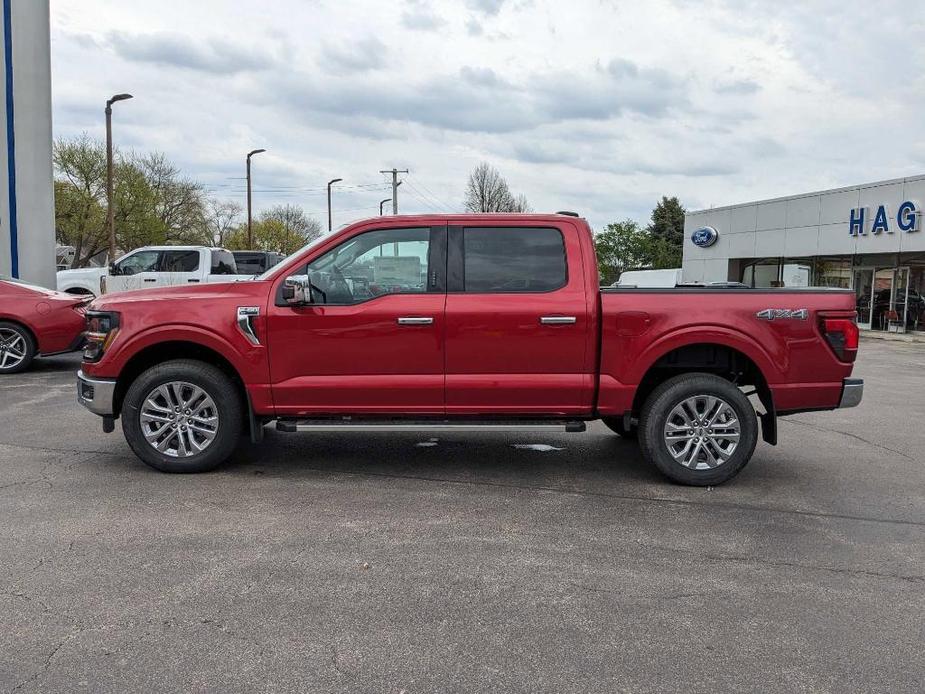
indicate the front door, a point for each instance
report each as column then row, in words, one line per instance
column 137, row 270
column 372, row 339
column 519, row 326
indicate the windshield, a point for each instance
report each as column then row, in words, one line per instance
column 312, row 244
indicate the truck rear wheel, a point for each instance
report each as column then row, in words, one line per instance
column 698, row 429
column 182, row 416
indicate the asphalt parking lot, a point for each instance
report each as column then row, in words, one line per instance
column 392, row 562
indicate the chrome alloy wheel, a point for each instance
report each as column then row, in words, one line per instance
column 702, row 432
column 179, row 419
column 12, row 348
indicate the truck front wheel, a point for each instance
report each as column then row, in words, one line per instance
column 182, row 416
column 698, row 429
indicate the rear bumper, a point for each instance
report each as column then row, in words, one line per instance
column 852, row 392
column 97, row 395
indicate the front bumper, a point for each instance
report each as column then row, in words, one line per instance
column 97, row 395
column 851, row 393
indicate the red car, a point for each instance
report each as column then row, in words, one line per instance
column 460, row 322
column 35, row 321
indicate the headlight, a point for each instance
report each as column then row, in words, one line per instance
column 102, row 327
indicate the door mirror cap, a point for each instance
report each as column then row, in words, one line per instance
column 297, row 290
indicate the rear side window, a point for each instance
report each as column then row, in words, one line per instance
column 180, row 261
column 250, row 263
column 513, row 259
column 223, row 263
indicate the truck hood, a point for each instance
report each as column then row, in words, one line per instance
column 83, row 272
column 251, row 290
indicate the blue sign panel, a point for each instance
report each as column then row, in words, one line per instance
column 908, row 218
column 704, row 237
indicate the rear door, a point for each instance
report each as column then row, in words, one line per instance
column 519, row 326
column 181, row 267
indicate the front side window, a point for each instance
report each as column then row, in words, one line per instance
column 142, row 261
column 180, row 261
column 513, row 259
column 388, row 261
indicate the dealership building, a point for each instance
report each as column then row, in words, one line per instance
column 867, row 238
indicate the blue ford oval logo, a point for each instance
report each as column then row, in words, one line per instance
column 704, row 236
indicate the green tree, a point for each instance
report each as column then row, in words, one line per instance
column 626, row 246
column 152, row 202
column 668, row 221
column 282, row 229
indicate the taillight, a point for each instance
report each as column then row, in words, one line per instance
column 842, row 335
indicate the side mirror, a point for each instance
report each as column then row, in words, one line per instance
column 297, row 290
column 113, row 270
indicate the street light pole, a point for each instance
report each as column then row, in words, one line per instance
column 110, row 216
column 330, row 183
column 250, row 232
column 381, row 203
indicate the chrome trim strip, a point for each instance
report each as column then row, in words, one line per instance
column 245, row 322
column 415, row 320
column 558, row 320
column 104, row 391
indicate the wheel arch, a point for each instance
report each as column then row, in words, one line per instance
column 33, row 335
column 715, row 357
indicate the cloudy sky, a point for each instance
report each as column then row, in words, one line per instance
column 599, row 106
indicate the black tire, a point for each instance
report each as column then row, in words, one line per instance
column 665, row 398
column 216, row 385
column 29, row 341
column 615, row 424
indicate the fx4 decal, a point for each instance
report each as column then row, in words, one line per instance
column 783, row 314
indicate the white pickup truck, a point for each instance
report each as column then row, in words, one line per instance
column 153, row 266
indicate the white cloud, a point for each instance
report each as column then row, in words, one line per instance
column 599, row 106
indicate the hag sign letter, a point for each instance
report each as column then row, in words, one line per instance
column 908, row 218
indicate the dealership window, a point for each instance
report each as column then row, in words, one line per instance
column 762, row 273
column 796, row 272
column 832, row 272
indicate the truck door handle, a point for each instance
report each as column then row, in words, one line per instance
column 415, row 320
column 150, row 280
column 558, row 320
column 192, row 280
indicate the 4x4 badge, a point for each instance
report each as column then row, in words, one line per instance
column 783, row 314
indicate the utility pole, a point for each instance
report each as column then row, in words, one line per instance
column 250, row 233
column 395, row 184
column 110, row 217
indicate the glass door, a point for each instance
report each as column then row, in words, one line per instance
column 899, row 301
column 863, row 281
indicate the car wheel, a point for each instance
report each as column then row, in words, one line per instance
column 182, row 416
column 698, row 429
column 615, row 424
column 17, row 348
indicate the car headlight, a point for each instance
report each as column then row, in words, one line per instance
column 102, row 327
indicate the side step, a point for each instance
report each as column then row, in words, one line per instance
column 349, row 424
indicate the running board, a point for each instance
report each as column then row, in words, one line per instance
column 348, row 424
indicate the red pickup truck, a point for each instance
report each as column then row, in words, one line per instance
column 468, row 321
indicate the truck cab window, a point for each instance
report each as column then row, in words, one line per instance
column 513, row 259
column 180, row 261
column 388, row 261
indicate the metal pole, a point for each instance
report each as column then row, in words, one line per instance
column 381, row 203
column 330, row 183
column 110, row 213
column 250, row 232
column 110, row 217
